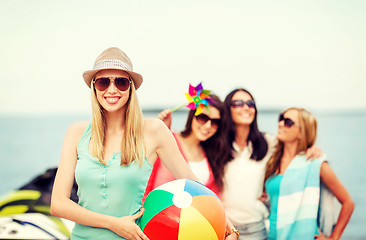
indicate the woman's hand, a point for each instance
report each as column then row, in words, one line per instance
column 232, row 236
column 314, row 152
column 166, row 117
column 231, row 233
column 127, row 228
column 322, row 237
column 263, row 197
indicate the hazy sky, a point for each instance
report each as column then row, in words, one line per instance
column 287, row 53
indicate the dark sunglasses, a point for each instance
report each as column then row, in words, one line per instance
column 287, row 121
column 241, row 103
column 103, row 83
column 203, row 118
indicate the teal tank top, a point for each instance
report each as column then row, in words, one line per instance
column 273, row 190
column 111, row 190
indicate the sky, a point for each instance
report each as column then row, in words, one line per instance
column 301, row 53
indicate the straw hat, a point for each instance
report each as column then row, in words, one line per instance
column 112, row 58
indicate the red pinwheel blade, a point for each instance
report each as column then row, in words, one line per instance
column 191, row 90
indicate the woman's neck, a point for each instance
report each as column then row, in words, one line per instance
column 241, row 136
column 115, row 122
column 190, row 140
column 289, row 153
column 290, row 149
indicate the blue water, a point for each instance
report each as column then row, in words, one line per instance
column 30, row 144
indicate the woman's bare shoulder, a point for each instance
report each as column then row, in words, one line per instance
column 155, row 131
column 77, row 129
column 153, row 124
column 79, row 126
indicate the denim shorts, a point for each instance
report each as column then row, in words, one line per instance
column 253, row 231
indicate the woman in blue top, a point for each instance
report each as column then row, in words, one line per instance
column 293, row 183
column 244, row 173
column 111, row 158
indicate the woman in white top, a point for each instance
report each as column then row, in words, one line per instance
column 244, row 174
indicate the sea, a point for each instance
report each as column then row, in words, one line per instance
column 31, row 143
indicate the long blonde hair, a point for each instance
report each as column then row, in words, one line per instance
column 308, row 128
column 132, row 145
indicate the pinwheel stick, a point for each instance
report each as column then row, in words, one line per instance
column 178, row 107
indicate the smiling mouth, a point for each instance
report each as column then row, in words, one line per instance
column 205, row 132
column 246, row 115
column 112, row 100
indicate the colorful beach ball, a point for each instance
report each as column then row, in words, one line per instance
column 183, row 210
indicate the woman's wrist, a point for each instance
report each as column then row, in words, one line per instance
column 232, row 231
column 333, row 238
column 110, row 222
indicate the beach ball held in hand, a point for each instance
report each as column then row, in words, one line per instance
column 183, row 210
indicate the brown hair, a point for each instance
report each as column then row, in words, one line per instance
column 308, row 128
column 259, row 143
column 217, row 148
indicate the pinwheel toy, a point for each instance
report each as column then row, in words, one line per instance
column 197, row 98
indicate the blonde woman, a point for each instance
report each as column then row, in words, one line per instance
column 111, row 158
column 293, row 183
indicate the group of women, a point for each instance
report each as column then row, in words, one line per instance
column 119, row 155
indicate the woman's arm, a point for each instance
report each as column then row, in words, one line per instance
column 231, row 233
column 329, row 178
column 166, row 117
column 167, row 149
column 169, row 153
column 63, row 206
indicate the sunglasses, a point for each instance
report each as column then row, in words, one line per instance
column 203, row 118
column 103, row 83
column 241, row 103
column 287, row 121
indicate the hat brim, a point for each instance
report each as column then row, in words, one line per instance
column 89, row 75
